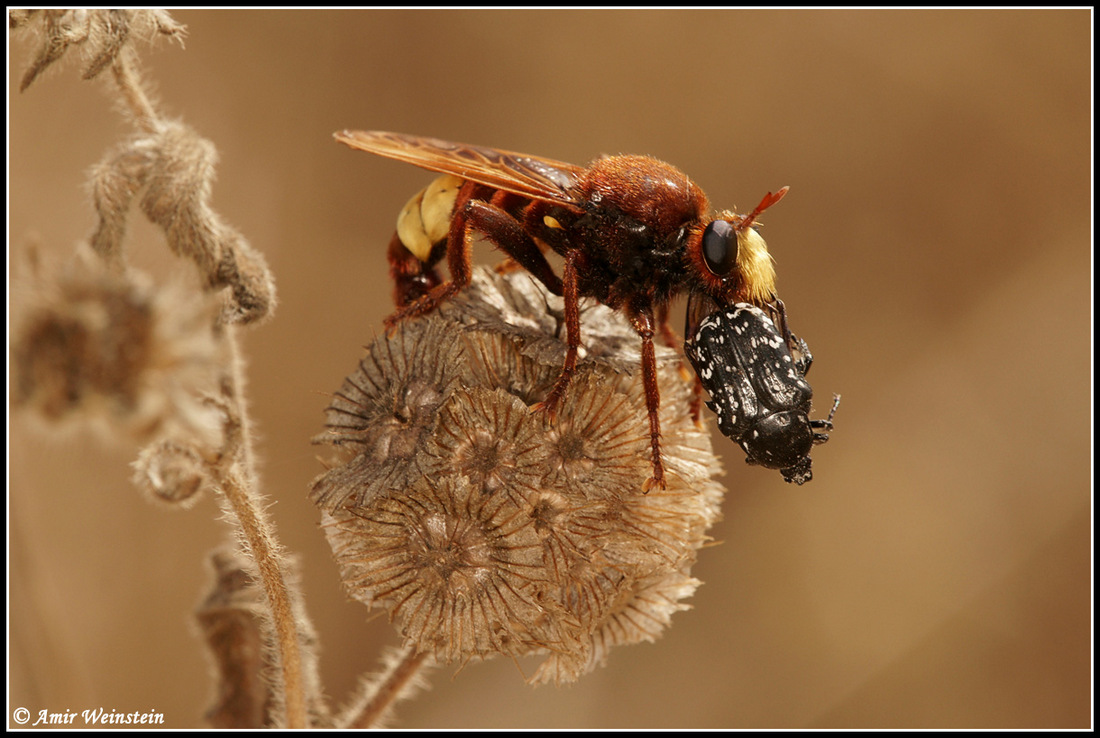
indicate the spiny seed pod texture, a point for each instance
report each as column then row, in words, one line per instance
column 485, row 528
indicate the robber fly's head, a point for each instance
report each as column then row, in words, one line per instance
column 731, row 259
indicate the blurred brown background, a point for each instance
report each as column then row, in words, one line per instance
column 934, row 250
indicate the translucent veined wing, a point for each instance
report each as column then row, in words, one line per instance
column 531, row 176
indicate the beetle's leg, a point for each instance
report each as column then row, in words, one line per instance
column 826, row 424
column 572, row 336
column 836, row 404
column 816, row 427
column 642, row 320
column 803, row 359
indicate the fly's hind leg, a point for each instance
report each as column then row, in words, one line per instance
column 459, row 252
column 412, row 278
column 501, row 229
column 512, row 236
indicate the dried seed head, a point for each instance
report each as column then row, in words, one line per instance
column 95, row 344
column 386, row 410
column 460, row 570
column 600, row 444
column 101, row 35
column 638, row 609
column 171, row 472
column 484, row 528
column 492, row 440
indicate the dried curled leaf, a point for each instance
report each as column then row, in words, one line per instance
column 232, row 623
column 483, row 528
column 175, row 168
column 237, row 625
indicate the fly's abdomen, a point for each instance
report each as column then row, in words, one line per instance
column 426, row 217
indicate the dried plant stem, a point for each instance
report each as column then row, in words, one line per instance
column 235, row 480
column 173, row 167
column 133, row 94
column 262, row 547
column 389, row 690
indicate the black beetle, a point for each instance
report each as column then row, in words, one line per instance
column 758, row 388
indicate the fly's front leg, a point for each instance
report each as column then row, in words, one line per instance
column 670, row 339
column 695, row 405
column 572, row 336
column 642, row 320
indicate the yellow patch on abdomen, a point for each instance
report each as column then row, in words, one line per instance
column 426, row 217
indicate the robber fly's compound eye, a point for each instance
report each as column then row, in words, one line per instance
column 720, row 247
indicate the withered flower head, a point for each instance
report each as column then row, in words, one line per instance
column 387, row 409
column 101, row 35
column 485, row 528
column 460, row 569
column 92, row 344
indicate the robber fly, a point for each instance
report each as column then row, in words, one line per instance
column 633, row 231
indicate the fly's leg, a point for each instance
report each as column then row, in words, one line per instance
column 670, row 339
column 642, row 320
column 572, row 337
column 512, row 236
column 412, row 278
column 668, row 336
column 460, row 239
column 459, row 261
column 696, row 404
column 500, row 228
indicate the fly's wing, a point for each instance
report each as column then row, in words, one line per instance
column 521, row 174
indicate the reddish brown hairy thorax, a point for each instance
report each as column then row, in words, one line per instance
column 646, row 189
